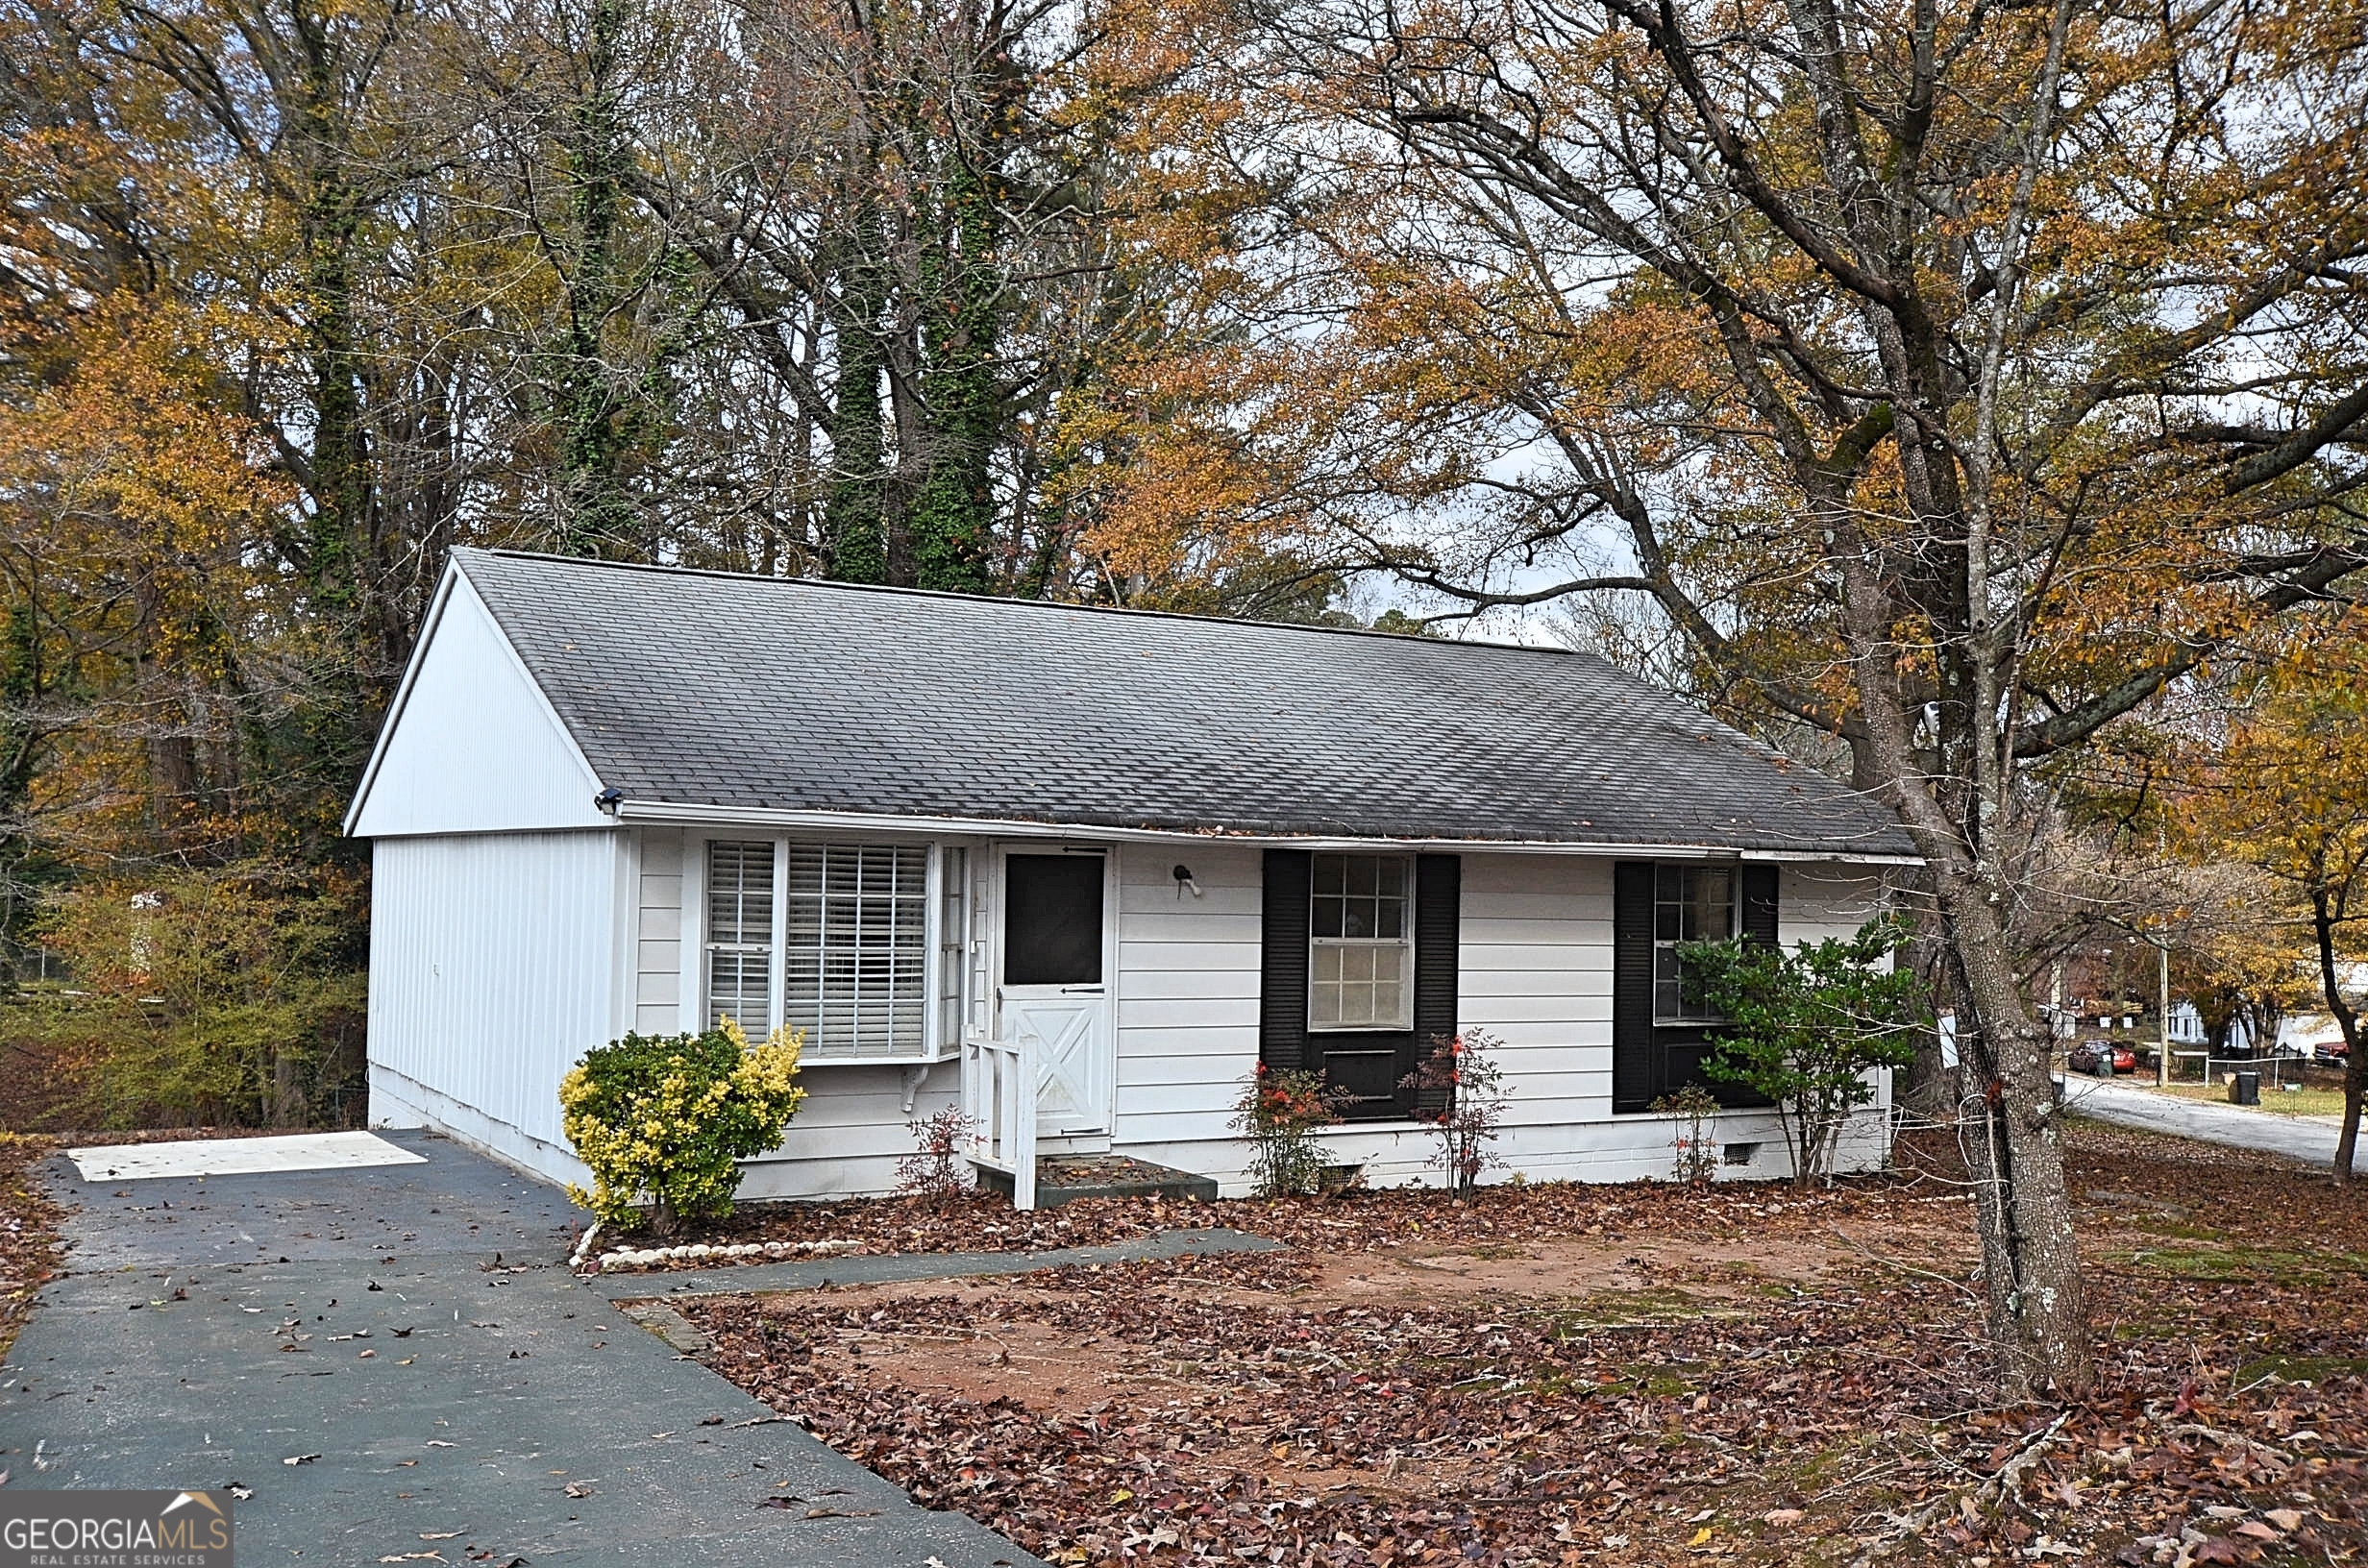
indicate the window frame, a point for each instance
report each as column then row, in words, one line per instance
column 1403, row 943
column 944, row 996
column 1733, row 873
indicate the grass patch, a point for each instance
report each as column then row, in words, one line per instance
column 2314, row 1370
column 2300, row 1102
column 1635, row 1308
column 2239, row 1262
column 2177, row 1230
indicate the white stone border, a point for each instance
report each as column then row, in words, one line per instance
column 627, row 1260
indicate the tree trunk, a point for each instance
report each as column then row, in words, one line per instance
column 2036, row 1311
column 598, row 516
column 2038, row 1315
column 2323, row 915
column 854, row 519
column 954, row 516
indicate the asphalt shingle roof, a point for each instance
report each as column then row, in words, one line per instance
column 710, row 689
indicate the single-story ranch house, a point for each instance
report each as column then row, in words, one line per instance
column 1000, row 851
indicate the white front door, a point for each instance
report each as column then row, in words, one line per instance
column 1055, row 987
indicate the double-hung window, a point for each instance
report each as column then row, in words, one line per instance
column 848, row 956
column 740, row 936
column 1691, row 904
column 1361, row 962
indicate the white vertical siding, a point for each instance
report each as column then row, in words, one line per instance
column 493, row 967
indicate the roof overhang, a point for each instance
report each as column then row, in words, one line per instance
column 679, row 814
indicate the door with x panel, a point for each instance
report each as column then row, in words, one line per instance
column 1056, row 988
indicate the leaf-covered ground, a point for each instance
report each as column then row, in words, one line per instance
column 28, row 1232
column 1562, row 1375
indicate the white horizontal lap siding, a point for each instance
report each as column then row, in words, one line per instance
column 1814, row 902
column 659, row 934
column 849, row 1135
column 1536, row 973
column 1188, row 982
column 492, row 970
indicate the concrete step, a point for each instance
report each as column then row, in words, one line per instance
column 1065, row 1178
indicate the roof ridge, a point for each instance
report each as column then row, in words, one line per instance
column 1045, row 603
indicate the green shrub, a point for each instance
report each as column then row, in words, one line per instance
column 1807, row 1027
column 664, row 1119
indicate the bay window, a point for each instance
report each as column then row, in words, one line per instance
column 833, row 939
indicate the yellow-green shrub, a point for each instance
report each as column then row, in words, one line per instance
column 663, row 1119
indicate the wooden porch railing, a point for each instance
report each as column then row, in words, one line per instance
column 999, row 1095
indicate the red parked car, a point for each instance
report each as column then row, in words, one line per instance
column 2102, row 1058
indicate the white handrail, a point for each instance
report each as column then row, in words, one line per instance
column 999, row 1095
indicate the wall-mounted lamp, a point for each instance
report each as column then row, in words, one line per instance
column 609, row 799
column 1184, row 882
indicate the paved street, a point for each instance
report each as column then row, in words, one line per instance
column 453, row 1390
column 2307, row 1138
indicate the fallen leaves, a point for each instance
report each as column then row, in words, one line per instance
column 1220, row 1407
column 28, row 1231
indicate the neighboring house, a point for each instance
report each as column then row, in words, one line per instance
column 2309, row 1034
column 2186, row 1025
column 1141, row 852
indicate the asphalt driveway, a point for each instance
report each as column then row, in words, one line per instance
column 394, row 1361
column 2307, row 1138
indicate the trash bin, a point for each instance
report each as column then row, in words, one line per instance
column 2246, row 1089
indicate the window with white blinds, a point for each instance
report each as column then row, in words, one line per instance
column 740, row 936
column 854, row 960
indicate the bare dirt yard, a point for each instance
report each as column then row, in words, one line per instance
column 1627, row 1375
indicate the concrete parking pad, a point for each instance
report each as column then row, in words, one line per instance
column 236, row 1156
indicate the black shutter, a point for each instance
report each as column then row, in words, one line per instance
column 1633, row 1068
column 1282, row 967
column 1439, row 935
column 1760, row 905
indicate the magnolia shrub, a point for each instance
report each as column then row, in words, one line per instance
column 663, row 1120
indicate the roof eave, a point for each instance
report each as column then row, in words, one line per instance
column 684, row 814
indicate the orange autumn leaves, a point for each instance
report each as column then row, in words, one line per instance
column 133, row 501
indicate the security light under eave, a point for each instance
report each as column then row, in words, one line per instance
column 1184, row 882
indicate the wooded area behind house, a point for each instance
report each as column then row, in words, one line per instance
column 1969, row 399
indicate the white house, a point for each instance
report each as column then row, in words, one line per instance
column 1124, row 856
